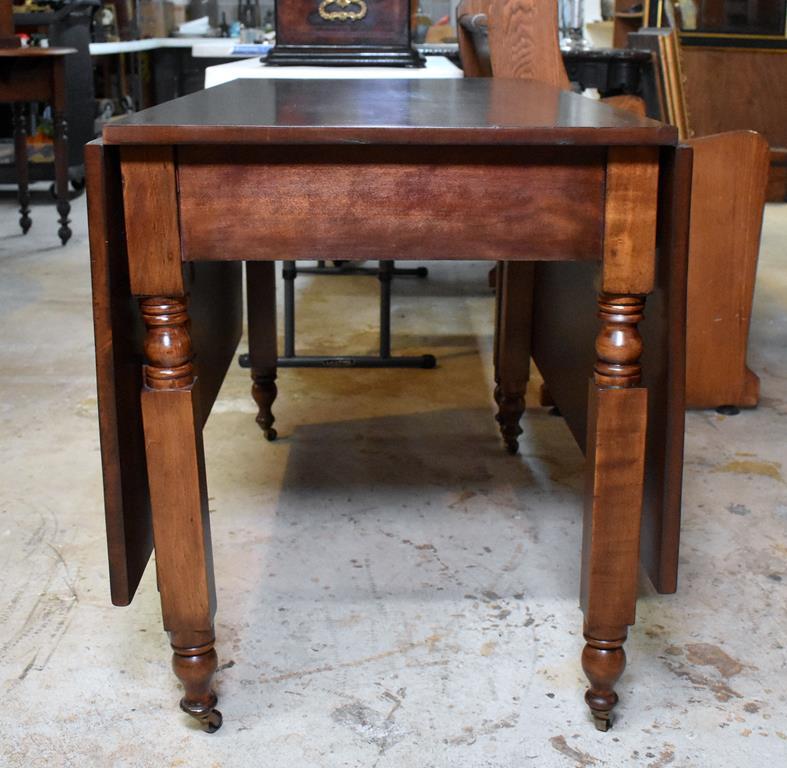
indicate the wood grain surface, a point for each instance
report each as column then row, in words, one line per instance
column 724, row 244
column 462, row 112
column 150, row 204
column 411, row 207
column 631, row 206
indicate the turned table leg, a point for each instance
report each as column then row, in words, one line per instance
column 617, row 425
column 61, row 175
column 261, row 303
column 20, row 159
column 513, row 314
column 178, row 494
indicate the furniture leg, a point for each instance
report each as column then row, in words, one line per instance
column 61, row 175
column 178, row 495
column 385, row 275
column 288, row 273
column 514, row 308
column 617, row 425
column 261, row 293
column 20, row 158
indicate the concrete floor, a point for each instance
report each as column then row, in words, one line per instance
column 393, row 589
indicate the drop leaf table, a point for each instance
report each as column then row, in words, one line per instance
column 585, row 205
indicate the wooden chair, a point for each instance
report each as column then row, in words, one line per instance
column 519, row 38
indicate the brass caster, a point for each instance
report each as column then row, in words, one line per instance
column 602, row 721
column 212, row 721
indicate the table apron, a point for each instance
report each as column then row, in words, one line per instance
column 408, row 204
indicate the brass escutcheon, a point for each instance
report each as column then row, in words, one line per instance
column 344, row 14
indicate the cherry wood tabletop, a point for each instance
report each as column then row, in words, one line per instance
column 426, row 112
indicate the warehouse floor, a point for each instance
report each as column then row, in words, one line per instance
column 393, row 589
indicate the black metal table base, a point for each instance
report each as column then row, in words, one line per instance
column 385, row 273
column 349, row 361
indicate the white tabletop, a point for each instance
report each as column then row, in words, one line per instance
column 200, row 46
column 436, row 67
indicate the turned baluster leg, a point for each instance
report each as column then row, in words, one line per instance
column 61, row 149
column 617, row 424
column 20, row 159
column 513, row 313
column 178, row 494
column 61, row 175
column 261, row 302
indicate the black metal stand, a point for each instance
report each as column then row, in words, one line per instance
column 343, row 56
column 385, row 273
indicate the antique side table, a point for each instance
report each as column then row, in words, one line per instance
column 37, row 74
column 503, row 170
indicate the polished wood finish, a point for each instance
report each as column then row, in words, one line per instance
column 725, row 244
column 617, row 424
column 179, row 501
column 630, row 219
column 216, row 324
column 119, row 332
column 514, row 308
column 263, row 353
column 151, row 208
column 554, row 200
column 462, row 112
column 630, row 402
column 563, row 350
column 37, row 74
column 343, row 33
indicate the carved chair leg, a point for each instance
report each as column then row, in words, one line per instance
column 617, row 426
column 179, row 506
column 261, row 302
column 513, row 314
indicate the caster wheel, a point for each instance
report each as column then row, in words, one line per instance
column 602, row 722
column 212, row 722
column 78, row 185
column 271, row 434
column 512, row 447
column 728, row 410
column 421, row 272
column 429, row 362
